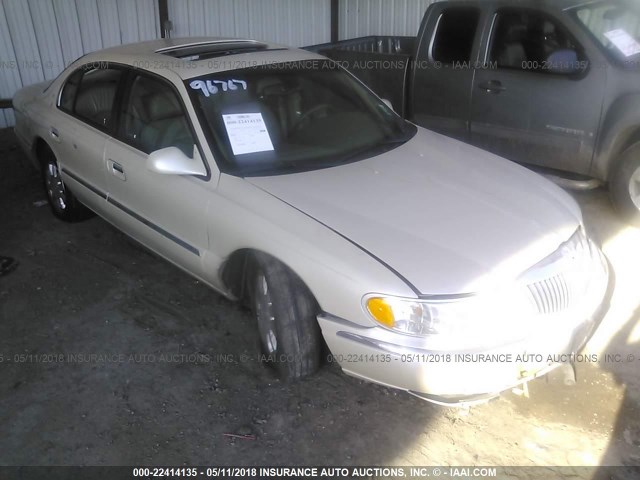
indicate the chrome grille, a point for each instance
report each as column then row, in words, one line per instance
column 562, row 281
column 551, row 295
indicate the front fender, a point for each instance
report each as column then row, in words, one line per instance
column 621, row 126
column 337, row 272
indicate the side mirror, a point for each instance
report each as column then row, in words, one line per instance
column 388, row 104
column 564, row 62
column 172, row 161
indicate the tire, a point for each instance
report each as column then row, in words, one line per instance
column 625, row 185
column 63, row 203
column 285, row 312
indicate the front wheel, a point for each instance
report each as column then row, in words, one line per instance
column 625, row 185
column 286, row 315
column 63, row 203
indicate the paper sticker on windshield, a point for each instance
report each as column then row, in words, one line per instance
column 624, row 42
column 212, row 87
column 247, row 133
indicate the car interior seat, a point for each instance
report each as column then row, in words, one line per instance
column 165, row 124
column 512, row 52
column 96, row 96
column 285, row 102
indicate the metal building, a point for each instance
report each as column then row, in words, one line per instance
column 38, row 38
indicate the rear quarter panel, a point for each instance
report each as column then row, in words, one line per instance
column 34, row 108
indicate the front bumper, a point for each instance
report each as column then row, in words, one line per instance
column 461, row 377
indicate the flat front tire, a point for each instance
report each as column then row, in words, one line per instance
column 285, row 313
column 625, row 185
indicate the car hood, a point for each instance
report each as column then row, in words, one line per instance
column 447, row 217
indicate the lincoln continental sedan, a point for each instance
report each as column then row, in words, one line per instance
column 278, row 179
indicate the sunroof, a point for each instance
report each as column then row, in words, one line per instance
column 202, row 51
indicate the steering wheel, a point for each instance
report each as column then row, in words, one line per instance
column 323, row 107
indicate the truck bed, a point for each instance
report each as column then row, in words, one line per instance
column 381, row 62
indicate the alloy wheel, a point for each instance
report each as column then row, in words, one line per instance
column 634, row 188
column 55, row 187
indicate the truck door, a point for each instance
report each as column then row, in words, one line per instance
column 538, row 100
column 443, row 70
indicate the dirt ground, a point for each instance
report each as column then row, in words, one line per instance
column 174, row 368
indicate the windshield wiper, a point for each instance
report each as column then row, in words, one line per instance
column 284, row 168
column 376, row 149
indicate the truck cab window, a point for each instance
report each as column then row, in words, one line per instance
column 529, row 40
column 453, row 39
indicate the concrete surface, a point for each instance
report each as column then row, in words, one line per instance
column 174, row 367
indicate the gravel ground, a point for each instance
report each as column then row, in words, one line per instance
column 174, row 368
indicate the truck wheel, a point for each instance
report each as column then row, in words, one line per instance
column 63, row 203
column 286, row 315
column 625, row 185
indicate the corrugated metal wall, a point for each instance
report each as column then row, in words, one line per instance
column 38, row 38
column 290, row 22
column 359, row 18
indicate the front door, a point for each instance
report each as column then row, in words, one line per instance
column 539, row 100
column 165, row 212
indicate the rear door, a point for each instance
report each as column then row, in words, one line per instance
column 79, row 132
column 167, row 213
column 443, row 73
column 539, row 99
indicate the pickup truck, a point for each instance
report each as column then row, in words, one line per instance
column 550, row 84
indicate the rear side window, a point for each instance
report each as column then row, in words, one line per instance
column 69, row 91
column 90, row 95
column 456, row 31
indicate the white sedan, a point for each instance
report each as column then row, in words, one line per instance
column 275, row 177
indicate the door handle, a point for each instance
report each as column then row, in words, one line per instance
column 493, row 86
column 54, row 134
column 117, row 170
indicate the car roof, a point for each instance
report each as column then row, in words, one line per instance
column 194, row 56
column 552, row 4
column 150, row 47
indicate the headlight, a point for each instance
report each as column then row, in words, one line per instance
column 469, row 315
column 405, row 315
column 507, row 314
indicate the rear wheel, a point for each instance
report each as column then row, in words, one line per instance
column 63, row 203
column 286, row 315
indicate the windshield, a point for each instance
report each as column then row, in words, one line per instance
column 292, row 117
column 616, row 26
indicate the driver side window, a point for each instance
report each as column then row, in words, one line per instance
column 153, row 117
column 532, row 41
